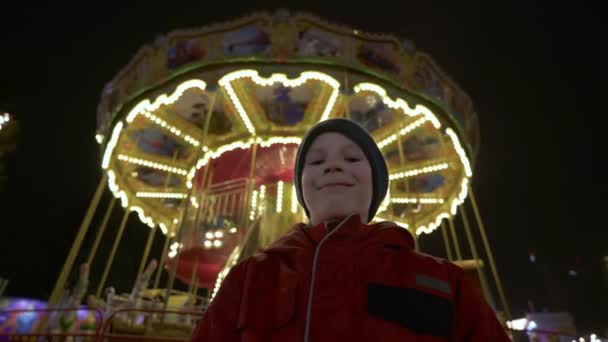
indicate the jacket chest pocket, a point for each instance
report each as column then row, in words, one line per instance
column 419, row 312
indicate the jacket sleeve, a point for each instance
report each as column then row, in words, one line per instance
column 474, row 319
column 219, row 322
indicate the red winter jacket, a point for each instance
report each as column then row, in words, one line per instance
column 356, row 282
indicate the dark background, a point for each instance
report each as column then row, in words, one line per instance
column 534, row 72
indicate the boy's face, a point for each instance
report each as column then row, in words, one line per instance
column 336, row 179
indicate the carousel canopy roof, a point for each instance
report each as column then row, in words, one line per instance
column 205, row 96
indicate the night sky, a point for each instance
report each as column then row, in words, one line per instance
column 533, row 72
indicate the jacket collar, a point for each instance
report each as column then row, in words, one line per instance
column 348, row 228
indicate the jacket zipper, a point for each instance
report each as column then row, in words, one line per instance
column 312, row 279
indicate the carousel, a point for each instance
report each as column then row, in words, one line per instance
column 198, row 135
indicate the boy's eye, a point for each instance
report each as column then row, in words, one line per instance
column 316, row 162
column 353, row 159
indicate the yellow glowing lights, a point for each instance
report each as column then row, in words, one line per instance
column 175, row 195
column 173, row 249
column 145, row 219
column 225, row 82
column 234, row 145
column 404, row 131
column 417, row 200
column 151, row 164
column 461, row 196
column 279, row 196
column 416, row 172
column 147, row 108
column 254, row 199
column 294, row 200
column 261, row 199
column 432, row 225
column 111, row 144
column 124, row 201
column 163, row 228
column 461, row 153
column 218, row 282
column 399, row 103
column 174, row 130
column 194, row 201
column 163, row 99
column 213, row 239
column 279, row 140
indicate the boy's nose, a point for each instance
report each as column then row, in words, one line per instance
column 333, row 168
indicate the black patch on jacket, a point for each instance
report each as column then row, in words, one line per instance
column 417, row 311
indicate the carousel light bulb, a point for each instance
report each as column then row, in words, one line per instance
column 279, row 196
column 163, row 228
column 294, row 200
column 461, row 153
column 217, row 243
column 398, row 103
column 233, row 230
column 208, row 244
column 281, row 78
column 219, row 234
column 111, row 145
column 209, row 235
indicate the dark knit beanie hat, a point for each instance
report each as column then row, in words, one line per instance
column 358, row 135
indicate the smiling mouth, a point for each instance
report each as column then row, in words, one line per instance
column 335, row 185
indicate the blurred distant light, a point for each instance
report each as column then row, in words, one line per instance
column 532, row 257
column 4, row 118
column 531, row 325
column 572, row 273
column 518, row 324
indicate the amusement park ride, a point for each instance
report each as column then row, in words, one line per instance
column 198, row 135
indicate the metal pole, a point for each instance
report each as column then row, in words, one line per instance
column 346, row 88
column 144, row 257
column 446, row 241
column 161, row 264
column 117, row 239
column 486, row 245
column 455, row 238
column 101, row 230
column 171, row 279
column 82, row 231
column 249, row 189
column 473, row 245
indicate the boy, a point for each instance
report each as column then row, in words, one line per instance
column 339, row 278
